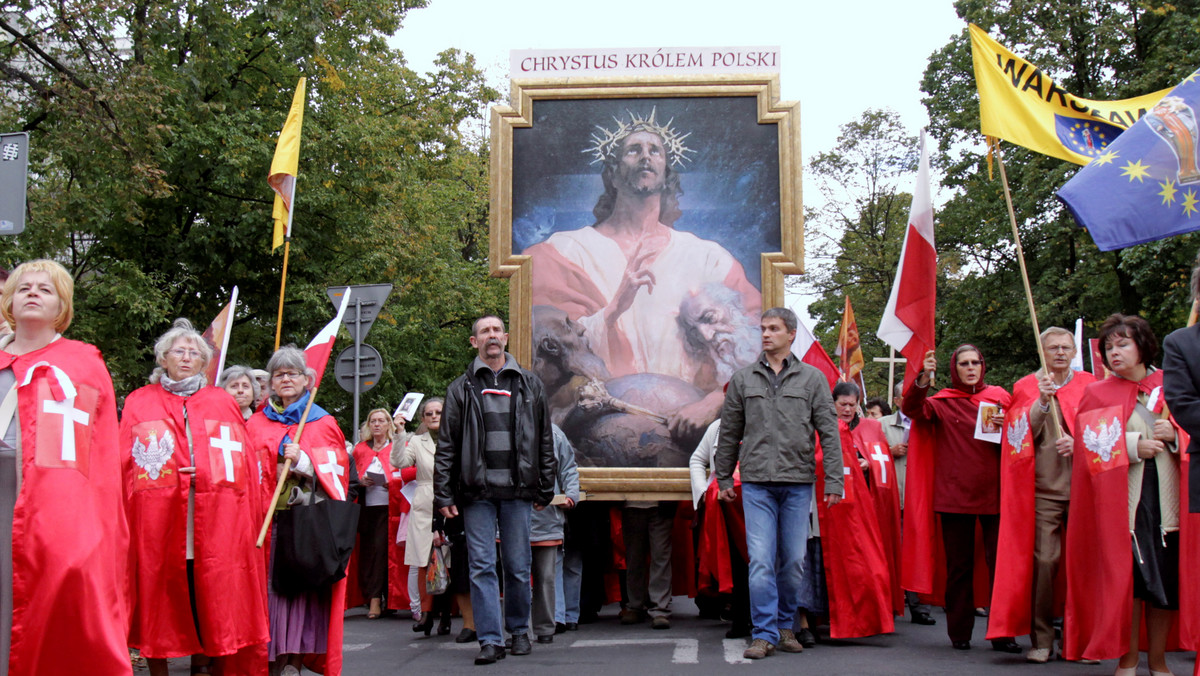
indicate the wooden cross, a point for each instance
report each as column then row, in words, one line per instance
column 891, row 360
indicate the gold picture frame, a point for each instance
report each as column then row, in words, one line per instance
column 599, row 101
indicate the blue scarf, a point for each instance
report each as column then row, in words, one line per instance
column 291, row 415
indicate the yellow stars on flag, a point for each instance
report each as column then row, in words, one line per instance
column 1190, row 203
column 1105, row 158
column 1136, row 170
column 1168, row 192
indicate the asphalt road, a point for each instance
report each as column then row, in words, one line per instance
column 388, row 646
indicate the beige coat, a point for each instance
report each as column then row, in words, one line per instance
column 419, row 451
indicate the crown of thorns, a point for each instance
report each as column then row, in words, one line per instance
column 605, row 142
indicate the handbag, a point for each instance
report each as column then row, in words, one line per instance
column 437, row 575
column 313, row 542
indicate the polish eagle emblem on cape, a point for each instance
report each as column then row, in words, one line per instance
column 1103, row 439
column 153, row 455
column 1017, row 432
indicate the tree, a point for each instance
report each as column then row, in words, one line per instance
column 152, row 129
column 1094, row 49
column 857, row 233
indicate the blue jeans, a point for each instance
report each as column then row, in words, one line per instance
column 776, row 536
column 568, row 580
column 480, row 518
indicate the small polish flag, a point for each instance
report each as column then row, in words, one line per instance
column 316, row 355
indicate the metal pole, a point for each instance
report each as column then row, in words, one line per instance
column 357, row 360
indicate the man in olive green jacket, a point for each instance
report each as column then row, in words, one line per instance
column 772, row 409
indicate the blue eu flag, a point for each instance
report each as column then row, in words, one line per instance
column 1145, row 185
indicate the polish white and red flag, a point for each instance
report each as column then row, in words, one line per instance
column 907, row 323
column 316, row 355
column 808, row 348
column 217, row 337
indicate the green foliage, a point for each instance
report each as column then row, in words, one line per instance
column 856, row 237
column 153, row 126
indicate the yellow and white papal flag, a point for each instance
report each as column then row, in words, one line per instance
column 284, row 168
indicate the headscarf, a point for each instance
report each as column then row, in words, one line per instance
column 956, row 382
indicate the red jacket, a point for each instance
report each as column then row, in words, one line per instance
column 931, row 458
column 70, row 537
column 230, row 586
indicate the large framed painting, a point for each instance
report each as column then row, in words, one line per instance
column 643, row 225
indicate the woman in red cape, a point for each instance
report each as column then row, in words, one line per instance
column 192, row 497
column 1127, row 507
column 957, row 477
column 370, row 559
column 305, row 627
column 60, row 490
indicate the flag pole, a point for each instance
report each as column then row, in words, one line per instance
column 287, row 467
column 228, row 330
column 1037, row 331
column 287, row 245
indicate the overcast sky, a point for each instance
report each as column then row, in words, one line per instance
column 839, row 57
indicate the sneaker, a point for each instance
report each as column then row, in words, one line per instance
column 759, row 648
column 289, row 670
column 806, row 638
column 629, row 616
column 660, row 622
column 788, row 642
column 1038, row 655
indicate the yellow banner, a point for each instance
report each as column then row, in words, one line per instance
column 1021, row 104
column 284, row 167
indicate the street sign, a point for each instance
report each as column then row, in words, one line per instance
column 370, row 296
column 14, row 168
column 370, row 368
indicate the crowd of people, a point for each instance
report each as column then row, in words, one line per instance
column 1072, row 493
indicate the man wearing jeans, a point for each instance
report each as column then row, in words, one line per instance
column 771, row 411
column 495, row 461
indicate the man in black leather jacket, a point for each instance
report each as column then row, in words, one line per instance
column 495, row 461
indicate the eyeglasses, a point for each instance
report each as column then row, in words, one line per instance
column 180, row 353
column 286, row 375
column 1060, row 348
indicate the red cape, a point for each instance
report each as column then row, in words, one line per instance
column 922, row 559
column 871, row 443
column 70, row 537
column 322, row 440
column 856, row 569
column 230, row 586
column 1011, row 611
column 363, row 454
column 722, row 537
column 1098, row 554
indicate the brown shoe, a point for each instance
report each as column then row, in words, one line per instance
column 788, row 642
column 759, row 648
column 629, row 616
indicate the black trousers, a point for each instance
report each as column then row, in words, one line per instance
column 958, row 537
